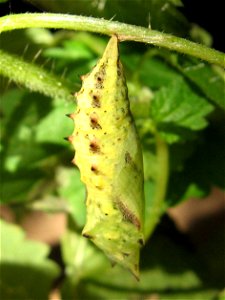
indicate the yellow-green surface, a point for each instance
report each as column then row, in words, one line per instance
column 109, row 157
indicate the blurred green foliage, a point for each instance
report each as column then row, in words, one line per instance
column 179, row 97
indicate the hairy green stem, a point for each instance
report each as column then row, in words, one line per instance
column 33, row 77
column 124, row 32
column 158, row 207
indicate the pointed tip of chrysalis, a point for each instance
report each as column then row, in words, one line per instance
column 113, row 42
column 111, row 50
column 134, row 269
column 135, row 273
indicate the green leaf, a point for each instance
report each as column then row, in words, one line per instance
column 21, row 112
column 24, row 263
column 55, row 126
column 205, row 77
column 140, row 99
column 72, row 189
column 18, row 186
column 155, row 73
column 150, row 165
column 82, row 258
column 179, row 271
column 150, row 212
column 71, row 50
column 148, row 69
column 200, row 35
column 32, row 128
column 25, row 123
column 41, row 36
column 10, row 102
column 178, row 111
column 95, row 43
column 201, row 169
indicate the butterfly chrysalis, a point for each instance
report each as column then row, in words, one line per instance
column 109, row 157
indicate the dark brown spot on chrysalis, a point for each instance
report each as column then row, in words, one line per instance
column 94, row 122
column 126, row 254
column 128, row 215
column 100, row 75
column 96, row 101
column 94, row 169
column 128, row 158
column 103, row 66
column 94, row 147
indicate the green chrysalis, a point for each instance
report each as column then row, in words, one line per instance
column 109, row 157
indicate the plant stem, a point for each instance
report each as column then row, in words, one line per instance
column 158, row 207
column 124, row 32
column 33, row 77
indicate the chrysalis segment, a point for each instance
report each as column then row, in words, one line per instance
column 109, row 157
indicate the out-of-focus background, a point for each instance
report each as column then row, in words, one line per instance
column 184, row 258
